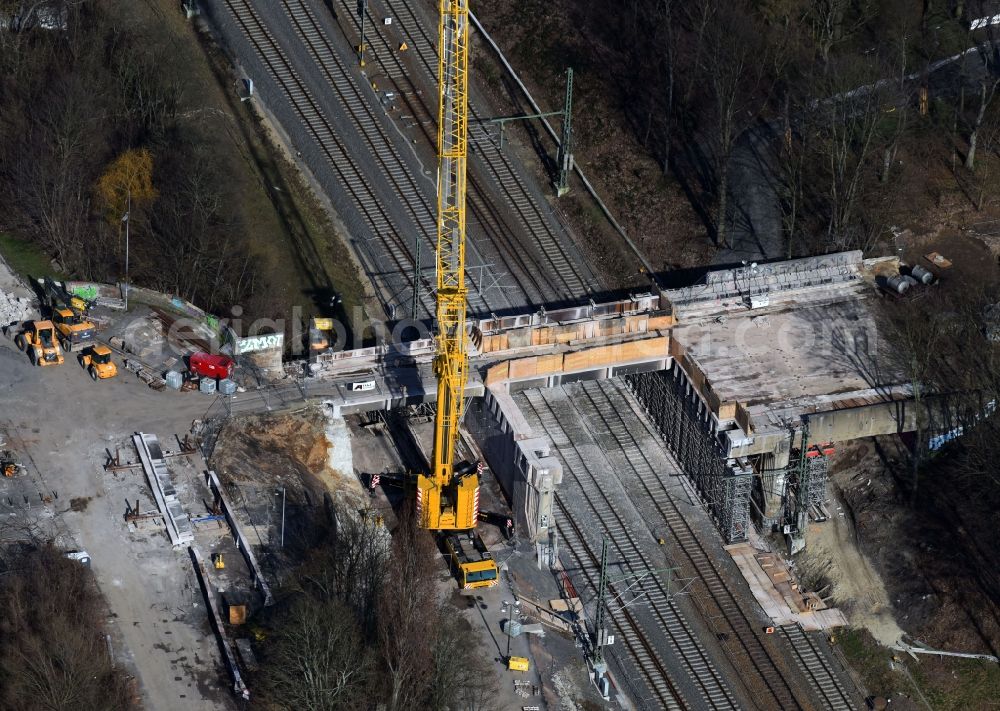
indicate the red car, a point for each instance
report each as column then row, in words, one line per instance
column 208, row 365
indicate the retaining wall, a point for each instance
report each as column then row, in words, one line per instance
column 211, row 326
column 521, row 463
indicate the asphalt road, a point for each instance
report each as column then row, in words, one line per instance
column 755, row 230
column 755, row 221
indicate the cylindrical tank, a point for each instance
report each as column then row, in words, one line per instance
column 207, row 385
column 227, row 386
column 897, row 283
column 910, row 280
column 924, row 276
column 174, row 379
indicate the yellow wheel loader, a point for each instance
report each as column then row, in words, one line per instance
column 38, row 340
column 96, row 359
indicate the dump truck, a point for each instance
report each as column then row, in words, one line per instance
column 38, row 339
column 75, row 332
column 96, row 359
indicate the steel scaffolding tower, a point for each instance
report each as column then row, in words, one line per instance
column 734, row 503
column 814, row 482
column 685, row 425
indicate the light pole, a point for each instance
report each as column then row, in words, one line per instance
column 126, row 220
column 510, row 612
column 282, row 515
column 512, row 607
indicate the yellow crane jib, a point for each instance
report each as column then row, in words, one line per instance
column 445, row 502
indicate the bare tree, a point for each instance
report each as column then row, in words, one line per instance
column 193, row 233
column 53, row 654
column 317, row 660
column 847, row 131
column 830, row 25
column 987, row 90
column 666, row 37
column 735, row 67
column 790, row 169
column 982, row 180
column 406, row 617
column 461, row 676
column 351, row 566
column 942, row 345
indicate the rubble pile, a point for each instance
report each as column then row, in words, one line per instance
column 14, row 308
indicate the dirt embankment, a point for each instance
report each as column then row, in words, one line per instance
column 917, row 571
column 301, row 451
column 934, row 570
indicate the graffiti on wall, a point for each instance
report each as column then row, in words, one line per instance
column 87, row 292
column 265, row 342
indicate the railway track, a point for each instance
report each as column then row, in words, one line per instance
column 699, row 685
column 483, row 214
column 539, row 246
column 397, row 244
column 812, row 661
column 517, row 259
column 414, row 198
column 760, row 667
column 307, row 109
column 545, row 254
column 645, row 657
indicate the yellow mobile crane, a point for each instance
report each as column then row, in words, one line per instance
column 444, row 501
column 447, row 500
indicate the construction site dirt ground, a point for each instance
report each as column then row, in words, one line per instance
column 60, row 422
column 62, row 425
column 259, row 456
column 901, row 575
column 280, row 470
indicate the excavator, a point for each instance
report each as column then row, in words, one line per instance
column 56, row 296
column 448, row 499
column 69, row 315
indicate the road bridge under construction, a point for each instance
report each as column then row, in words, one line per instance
column 742, row 376
column 746, row 376
column 669, row 424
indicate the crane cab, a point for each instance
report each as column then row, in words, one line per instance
column 471, row 562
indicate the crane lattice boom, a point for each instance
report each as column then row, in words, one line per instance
column 444, row 502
